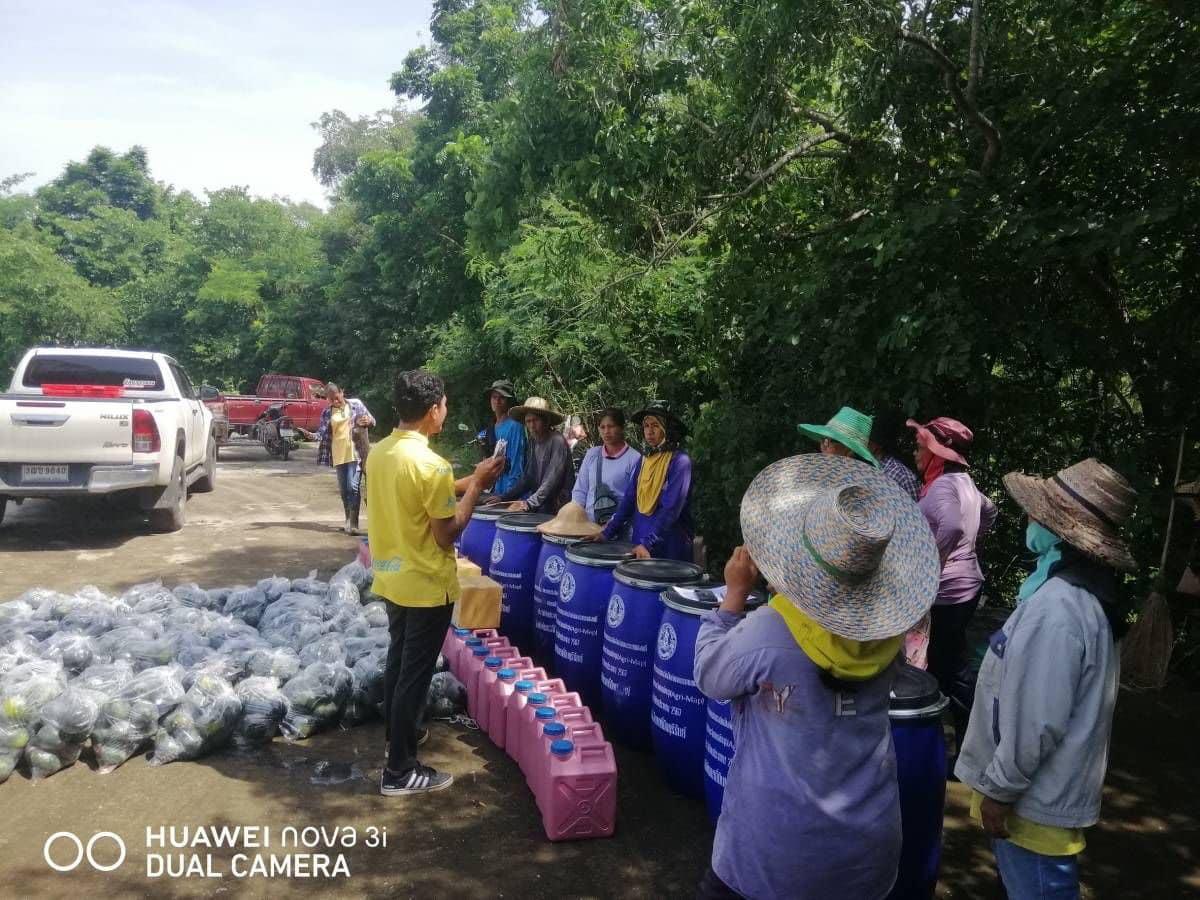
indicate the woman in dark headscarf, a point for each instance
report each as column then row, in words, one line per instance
column 659, row 506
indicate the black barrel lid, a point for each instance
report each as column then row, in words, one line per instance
column 698, row 598
column 561, row 540
column 915, row 693
column 601, row 554
column 657, row 573
column 490, row 513
column 522, row 521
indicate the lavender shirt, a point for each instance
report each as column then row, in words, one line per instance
column 959, row 515
column 667, row 532
column 616, row 472
column 812, row 808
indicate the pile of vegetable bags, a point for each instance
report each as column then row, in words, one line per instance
column 186, row 672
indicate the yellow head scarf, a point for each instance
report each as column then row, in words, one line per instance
column 841, row 657
column 651, row 480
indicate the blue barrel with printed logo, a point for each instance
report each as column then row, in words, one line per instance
column 719, row 740
column 915, row 710
column 551, row 566
column 479, row 535
column 631, row 627
column 678, row 708
column 583, row 594
column 514, row 566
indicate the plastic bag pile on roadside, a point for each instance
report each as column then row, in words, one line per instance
column 186, row 672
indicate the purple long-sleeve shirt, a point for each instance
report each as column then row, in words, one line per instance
column 667, row 532
column 616, row 472
column 959, row 515
column 811, row 808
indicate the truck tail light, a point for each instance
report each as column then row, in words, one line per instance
column 145, row 432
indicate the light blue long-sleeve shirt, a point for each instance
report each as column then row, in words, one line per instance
column 616, row 472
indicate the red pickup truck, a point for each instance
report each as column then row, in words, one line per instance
column 303, row 399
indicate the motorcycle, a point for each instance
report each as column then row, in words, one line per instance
column 276, row 431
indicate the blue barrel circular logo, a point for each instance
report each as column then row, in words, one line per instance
column 616, row 611
column 497, row 550
column 554, row 568
column 667, row 641
column 567, row 590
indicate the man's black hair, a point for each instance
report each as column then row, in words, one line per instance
column 612, row 412
column 888, row 429
column 415, row 392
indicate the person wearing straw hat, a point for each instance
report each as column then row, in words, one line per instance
column 548, row 476
column 959, row 515
column 501, row 396
column 847, row 433
column 572, row 521
column 606, row 471
column 812, row 806
column 658, row 507
column 1036, row 749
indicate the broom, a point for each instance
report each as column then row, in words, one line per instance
column 1146, row 650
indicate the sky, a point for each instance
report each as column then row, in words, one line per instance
column 219, row 93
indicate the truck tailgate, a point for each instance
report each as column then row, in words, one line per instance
column 44, row 430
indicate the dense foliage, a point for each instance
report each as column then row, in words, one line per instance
column 758, row 211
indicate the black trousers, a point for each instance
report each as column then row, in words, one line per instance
column 417, row 633
column 948, row 659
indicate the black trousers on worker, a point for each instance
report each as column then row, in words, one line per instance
column 417, row 633
column 948, row 659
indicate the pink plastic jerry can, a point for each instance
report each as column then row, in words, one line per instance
column 479, row 691
column 532, row 721
column 516, row 703
column 566, row 727
column 505, row 685
column 452, row 643
column 579, row 796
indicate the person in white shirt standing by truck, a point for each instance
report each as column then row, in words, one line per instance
column 343, row 444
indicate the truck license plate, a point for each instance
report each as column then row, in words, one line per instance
column 45, row 474
column 286, row 433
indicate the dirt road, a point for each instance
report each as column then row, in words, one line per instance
column 482, row 838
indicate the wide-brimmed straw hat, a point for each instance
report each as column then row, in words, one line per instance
column 850, row 428
column 844, row 543
column 571, row 521
column 1085, row 504
column 504, row 388
column 536, row 405
column 944, row 437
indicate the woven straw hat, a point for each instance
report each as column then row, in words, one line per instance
column 571, row 521
column 1085, row 504
column 844, row 543
column 536, row 405
column 850, row 428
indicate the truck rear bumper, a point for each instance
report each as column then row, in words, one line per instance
column 82, row 479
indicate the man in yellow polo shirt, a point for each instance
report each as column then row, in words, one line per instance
column 414, row 522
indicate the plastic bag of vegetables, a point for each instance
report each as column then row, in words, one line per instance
column 74, row 650
column 354, row 572
column 277, row 662
column 62, row 727
column 263, row 708
column 105, row 678
column 342, row 590
column 274, row 587
column 447, row 696
column 366, row 693
column 311, row 585
column 376, row 614
column 328, row 648
column 150, row 597
column 192, row 595
column 316, row 698
column 129, row 719
column 246, row 604
column 25, row 690
column 201, row 723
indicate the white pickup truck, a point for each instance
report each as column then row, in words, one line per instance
column 95, row 421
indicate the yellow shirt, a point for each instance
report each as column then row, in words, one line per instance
column 1048, row 840
column 407, row 486
column 342, row 447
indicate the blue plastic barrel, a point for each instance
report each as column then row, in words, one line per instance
column 631, row 623
column 479, row 535
column 916, row 717
column 551, row 566
column 583, row 596
column 679, row 710
column 514, row 565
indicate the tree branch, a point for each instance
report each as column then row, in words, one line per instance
column 966, row 107
column 975, row 54
column 827, row 122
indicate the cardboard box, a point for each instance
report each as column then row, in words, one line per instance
column 478, row 605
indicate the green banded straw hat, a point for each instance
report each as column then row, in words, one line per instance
column 842, row 542
column 850, row 428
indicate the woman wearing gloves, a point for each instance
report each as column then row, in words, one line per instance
column 1036, row 749
column 811, row 808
